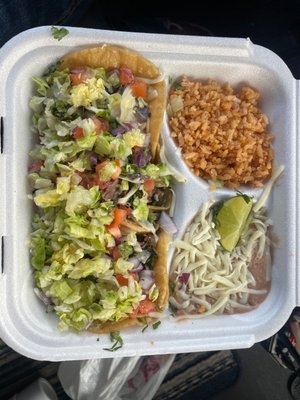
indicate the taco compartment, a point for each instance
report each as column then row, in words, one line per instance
column 24, row 324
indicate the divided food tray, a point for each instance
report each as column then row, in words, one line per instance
column 24, row 325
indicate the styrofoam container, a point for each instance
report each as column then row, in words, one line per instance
column 24, row 325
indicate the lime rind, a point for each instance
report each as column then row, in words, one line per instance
column 231, row 221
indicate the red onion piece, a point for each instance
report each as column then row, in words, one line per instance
column 142, row 114
column 118, row 131
column 184, row 277
column 129, row 126
column 93, row 159
column 141, row 157
column 167, row 224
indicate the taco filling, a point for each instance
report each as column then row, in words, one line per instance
column 97, row 248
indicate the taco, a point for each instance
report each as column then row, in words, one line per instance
column 112, row 57
column 97, row 247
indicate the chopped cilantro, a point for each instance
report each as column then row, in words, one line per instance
column 59, row 33
column 53, row 68
column 244, row 196
column 115, row 336
column 156, row 324
column 177, row 85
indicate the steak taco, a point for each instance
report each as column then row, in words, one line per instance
column 99, row 188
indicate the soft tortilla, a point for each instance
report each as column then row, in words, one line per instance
column 107, row 327
column 109, row 57
column 131, row 226
column 160, row 269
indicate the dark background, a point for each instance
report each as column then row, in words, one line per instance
column 273, row 24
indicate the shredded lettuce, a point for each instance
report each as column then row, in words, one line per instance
column 127, row 105
column 140, row 209
column 92, row 267
column 134, row 138
column 42, row 85
column 38, row 252
column 85, row 93
column 74, row 245
column 80, row 199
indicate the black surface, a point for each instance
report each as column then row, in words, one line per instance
column 273, row 24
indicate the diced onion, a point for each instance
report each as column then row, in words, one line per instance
column 160, row 78
column 167, row 224
column 146, row 279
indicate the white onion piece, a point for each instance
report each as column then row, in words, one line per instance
column 41, row 295
column 134, row 261
column 167, row 224
column 143, row 256
column 160, row 78
column 139, row 268
column 146, row 279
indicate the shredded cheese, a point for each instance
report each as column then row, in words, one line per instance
column 219, row 281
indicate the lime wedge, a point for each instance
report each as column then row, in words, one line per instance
column 231, row 220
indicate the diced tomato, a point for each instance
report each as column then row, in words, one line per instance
column 103, row 185
column 36, row 166
column 95, row 181
column 101, row 165
column 114, row 230
column 101, row 124
column 149, row 185
column 117, row 171
column 78, row 76
column 85, row 180
column 139, row 88
column 115, row 253
column 145, row 307
column 119, row 216
column 78, row 132
column 124, row 281
column 125, row 75
column 127, row 209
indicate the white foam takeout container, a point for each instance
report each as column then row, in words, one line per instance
column 24, row 325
